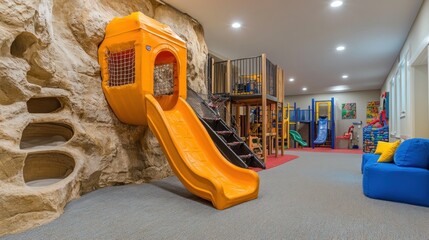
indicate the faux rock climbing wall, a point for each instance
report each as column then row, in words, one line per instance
column 58, row 137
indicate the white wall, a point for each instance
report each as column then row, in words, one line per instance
column 416, row 84
column 421, row 125
column 361, row 98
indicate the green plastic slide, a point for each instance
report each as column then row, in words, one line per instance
column 297, row 138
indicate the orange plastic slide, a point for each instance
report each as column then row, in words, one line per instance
column 195, row 159
column 138, row 57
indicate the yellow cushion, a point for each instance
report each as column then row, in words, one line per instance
column 381, row 147
column 388, row 151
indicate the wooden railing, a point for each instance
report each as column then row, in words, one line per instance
column 244, row 76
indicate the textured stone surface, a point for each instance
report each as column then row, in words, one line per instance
column 192, row 32
column 48, row 48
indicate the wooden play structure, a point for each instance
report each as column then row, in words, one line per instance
column 255, row 87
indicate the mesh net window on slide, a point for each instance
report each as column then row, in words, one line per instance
column 121, row 67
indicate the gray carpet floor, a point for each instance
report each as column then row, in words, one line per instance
column 317, row 196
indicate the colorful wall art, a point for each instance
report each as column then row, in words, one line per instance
column 372, row 109
column 348, row 111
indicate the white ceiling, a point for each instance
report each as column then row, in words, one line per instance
column 301, row 37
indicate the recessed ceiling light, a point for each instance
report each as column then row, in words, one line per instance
column 291, row 79
column 304, row 89
column 345, row 76
column 236, row 25
column 335, row 4
column 339, row 88
column 341, row 48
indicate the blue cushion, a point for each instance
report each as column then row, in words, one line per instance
column 413, row 153
column 400, row 184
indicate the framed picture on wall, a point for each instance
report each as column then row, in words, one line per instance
column 348, row 111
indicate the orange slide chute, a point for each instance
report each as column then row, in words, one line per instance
column 195, row 159
column 143, row 67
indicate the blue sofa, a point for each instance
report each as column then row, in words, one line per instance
column 406, row 180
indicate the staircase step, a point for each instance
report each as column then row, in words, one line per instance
column 233, row 144
column 247, row 156
column 211, row 119
column 224, row 132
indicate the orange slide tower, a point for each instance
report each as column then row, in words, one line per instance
column 143, row 68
